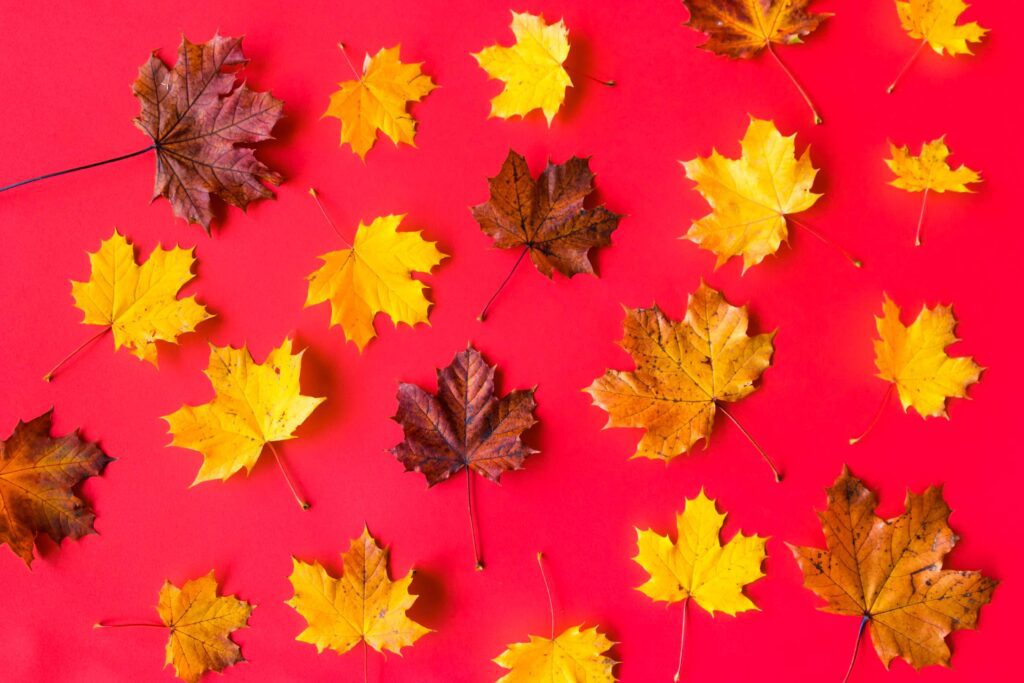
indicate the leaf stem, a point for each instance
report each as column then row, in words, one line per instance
column 803, row 93
column 77, row 168
column 129, row 625
column 856, row 647
column 344, row 52
column 288, row 480
column 878, row 414
column 609, row 84
column 49, row 376
column 682, row 640
column 316, row 198
column 857, row 263
column 366, row 663
column 472, row 520
column 906, row 66
column 775, row 470
column 547, row 589
column 483, row 313
column 920, row 218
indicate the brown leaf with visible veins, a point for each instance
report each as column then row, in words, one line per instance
column 546, row 217
column 742, row 28
column 203, row 125
column 38, row 473
column 888, row 572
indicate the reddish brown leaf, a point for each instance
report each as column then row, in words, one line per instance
column 742, row 28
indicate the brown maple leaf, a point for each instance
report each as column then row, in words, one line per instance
column 203, row 124
column 464, row 426
column 38, row 474
column 888, row 572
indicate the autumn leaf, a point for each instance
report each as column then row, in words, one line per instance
column 697, row 565
column 934, row 23
column 740, row 29
column 203, row 125
column 38, row 477
column 465, row 426
column 928, row 172
column 532, row 69
column 546, row 218
column 363, row 605
column 255, row 405
column 888, row 573
column 685, row 372
column 377, row 100
column 374, row 275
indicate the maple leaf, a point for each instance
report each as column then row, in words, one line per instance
column 532, row 69
column 577, row 655
column 38, row 475
column 203, row 125
column 377, row 101
column 464, row 426
column 255, row 405
column 928, row 172
column 374, row 275
column 889, row 573
column 363, row 605
column 685, row 372
column 935, row 22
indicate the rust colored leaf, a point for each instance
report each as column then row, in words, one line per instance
column 742, row 28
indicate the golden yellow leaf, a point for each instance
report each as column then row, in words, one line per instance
column 934, row 21
column 914, row 359
column 377, row 101
column 531, row 69
column 375, row 276
column 575, row 656
column 929, row 171
column 139, row 304
column 255, row 404
column 362, row 605
column 751, row 196
column 201, row 624
column 696, row 565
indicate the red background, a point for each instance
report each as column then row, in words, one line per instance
column 67, row 101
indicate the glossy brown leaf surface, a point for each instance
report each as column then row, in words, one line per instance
column 742, row 28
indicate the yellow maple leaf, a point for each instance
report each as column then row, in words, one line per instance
column 139, row 304
column 577, row 655
column 201, row 623
column 363, row 605
column 255, row 405
column 934, row 22
column 375, row 276
column 531, row 69
column 751, row 196
column 377, row 101
column 914, row 359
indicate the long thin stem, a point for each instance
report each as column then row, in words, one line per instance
column 609, row 84
column 682, row 641
column 77, row 168
column 775, row 470
column 920, row 218
column 341, row 46
column 857, row 263
column 288, row 480
column 878, row 414
column 316, row 198
column 483, row 313
column 547, row 589
column 472, row 520
column 366, row 663
column 803, row 93
column 49, row 376
column 913, row 58
column 856, row 647
column 129, row 624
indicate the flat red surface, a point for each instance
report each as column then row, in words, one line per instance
column 66, row 101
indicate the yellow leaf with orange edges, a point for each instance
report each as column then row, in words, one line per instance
column 935, row 22
column 577, row 655
column 929, row 171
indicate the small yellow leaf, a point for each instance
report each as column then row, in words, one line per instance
column 531, row 69
column 375, row 276
column 929, row 170
column 576, row 656
column 362, row 605
column 378, row 100
column 934, row 21
column 255, row 404
column 914, row 359
column 697, row 565
column 139, row 303
column 201, row 624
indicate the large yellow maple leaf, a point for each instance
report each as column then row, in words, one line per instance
column 139, row 304
column 374, row 276
column 532, row 69
column 255, row 405
column 577, row 655
column 935, row 22
column 363, row 605
column 377, row 101
column 751, row 196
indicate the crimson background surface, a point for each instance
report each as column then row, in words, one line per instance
column 68, row 68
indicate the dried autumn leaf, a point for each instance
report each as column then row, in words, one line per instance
column 363, row 605
column 935, row 22
column 927, row 172
column 685, row 372
column 532, row 69
column 203, row 125
column 888, row 573
column 374, row 275
column 465, row 426
column 378, row 99
column 38, row 476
